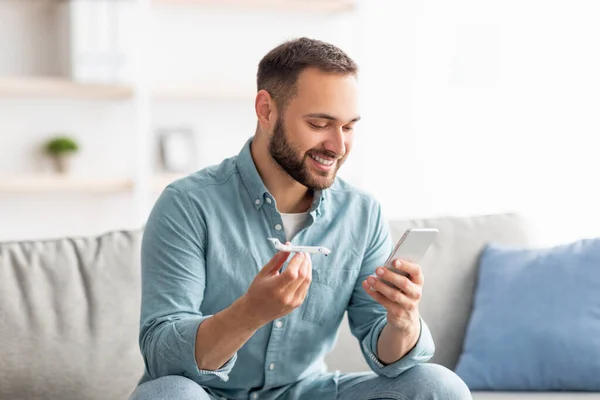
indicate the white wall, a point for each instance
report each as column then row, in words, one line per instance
column 191, row 46
column 485, row 106
column 469, row 107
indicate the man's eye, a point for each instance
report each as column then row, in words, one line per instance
column 315, row 126
column 348, row 128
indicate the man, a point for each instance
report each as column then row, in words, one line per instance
column 222, row 317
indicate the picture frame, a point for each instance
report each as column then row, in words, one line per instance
column 177, row 149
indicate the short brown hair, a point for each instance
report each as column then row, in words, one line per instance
column 278, row 70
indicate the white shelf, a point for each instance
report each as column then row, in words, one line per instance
column 320, row 6
column 60, row 87
column 57, row 87
column 56, row 183
column 52, row 183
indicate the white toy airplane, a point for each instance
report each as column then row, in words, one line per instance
column 299, row 249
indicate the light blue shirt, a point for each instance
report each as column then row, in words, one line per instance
column 205, row 241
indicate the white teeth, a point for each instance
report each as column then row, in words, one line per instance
column 322, row 161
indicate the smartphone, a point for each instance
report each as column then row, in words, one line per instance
column 412, row 246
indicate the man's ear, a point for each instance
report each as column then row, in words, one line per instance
column 266, row 110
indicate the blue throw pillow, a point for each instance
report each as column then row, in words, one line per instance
column 535, row 324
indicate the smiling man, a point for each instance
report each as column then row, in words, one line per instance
column 223, row 317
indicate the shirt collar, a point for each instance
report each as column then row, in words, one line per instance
column 256, row 187
column 252, row 180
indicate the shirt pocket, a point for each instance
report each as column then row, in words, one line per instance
column 329, row 293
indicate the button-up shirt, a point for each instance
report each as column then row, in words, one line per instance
column 204, row 243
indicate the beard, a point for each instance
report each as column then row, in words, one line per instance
column 296, row 165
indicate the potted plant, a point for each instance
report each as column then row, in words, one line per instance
column 60, row 149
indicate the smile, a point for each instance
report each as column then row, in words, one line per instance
column 322, row 160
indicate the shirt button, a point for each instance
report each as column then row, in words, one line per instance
column 254, row 396
column 278, row 324
column 278, row 227
column 272, row 366
column 268, row 200
column 257, row 201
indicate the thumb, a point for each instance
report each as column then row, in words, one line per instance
column 275, row 263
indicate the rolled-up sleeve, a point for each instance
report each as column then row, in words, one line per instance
column 367, row 318
column 173, row 282
column 422, row 352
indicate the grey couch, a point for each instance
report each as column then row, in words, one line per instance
column 69, row 309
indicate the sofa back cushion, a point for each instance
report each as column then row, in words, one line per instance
column 69, row 316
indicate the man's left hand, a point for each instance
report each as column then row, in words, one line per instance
column 401, row 298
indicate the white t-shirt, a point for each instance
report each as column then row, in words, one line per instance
column 293, row 223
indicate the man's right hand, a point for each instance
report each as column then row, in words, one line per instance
column 274, row 294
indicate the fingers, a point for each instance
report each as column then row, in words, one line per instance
column 381, row 299
column 291, row 271
column 401, row 282
column 391, row 293
column 305, row 284
column 295, row 272
column 275, row 263
column 413, row 270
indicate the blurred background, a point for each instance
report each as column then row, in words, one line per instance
column 469, row 107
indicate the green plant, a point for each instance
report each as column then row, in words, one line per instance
column 61, row 145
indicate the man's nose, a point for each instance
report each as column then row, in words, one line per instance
column 336, row 142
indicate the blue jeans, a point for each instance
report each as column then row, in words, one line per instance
column 422, row 382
